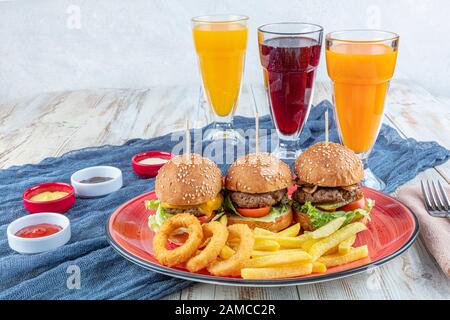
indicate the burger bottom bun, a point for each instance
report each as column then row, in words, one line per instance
column 281, row 222
column 305, row 222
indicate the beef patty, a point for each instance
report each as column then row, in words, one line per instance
column 327, row 195
column 257, row 200
column 195, row 211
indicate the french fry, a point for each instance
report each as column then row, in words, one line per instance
column 307, row 235
column 258, row 253
column 224, row 220
column 333, row 250
column 279, row 259
column 328, row 229
column 323, row 245
column 307, row 244
column 339, row 259
column 268, row 245
column 263, row 232
column 276, row 273
column 284, row 242
column 319, row 267
column 226, row 252
column 346, row 245
column 292, row 231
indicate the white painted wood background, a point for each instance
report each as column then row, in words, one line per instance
column 55, row 45
column 77, row 119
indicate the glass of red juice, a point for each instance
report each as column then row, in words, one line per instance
column 289, row 53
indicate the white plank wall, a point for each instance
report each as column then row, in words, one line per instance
column 54, row 123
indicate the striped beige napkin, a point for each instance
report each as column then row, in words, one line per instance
column 435, row 232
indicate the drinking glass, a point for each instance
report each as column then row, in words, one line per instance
column 221, row 42
column 360, row 64
column 289, row 53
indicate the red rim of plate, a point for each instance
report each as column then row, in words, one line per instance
column 314, row 278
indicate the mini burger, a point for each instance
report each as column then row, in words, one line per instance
column 256, row 192
column 328, row 178
column 186, row 184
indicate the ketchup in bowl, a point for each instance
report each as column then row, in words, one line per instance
column 38, row 230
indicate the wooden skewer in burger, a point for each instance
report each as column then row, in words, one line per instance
column 188, row 183
column 189, row 189
column 328, row 178
column 256, row 190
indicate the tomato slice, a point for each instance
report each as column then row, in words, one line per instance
column 361, row 203
column 205, row 219
column 254, row 212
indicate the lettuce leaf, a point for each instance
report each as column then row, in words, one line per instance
column 218, row 216
column 156, row 220
column 152, row 204
column 319, row 218
column 229, row 206
column 282, row 208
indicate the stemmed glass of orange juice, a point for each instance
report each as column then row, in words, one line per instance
column 360, row 64
column 221, row 42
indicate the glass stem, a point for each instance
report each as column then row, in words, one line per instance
column 223, row 126
column 289, row 145
column 287, row 150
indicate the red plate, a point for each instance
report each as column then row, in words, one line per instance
column 391, row 231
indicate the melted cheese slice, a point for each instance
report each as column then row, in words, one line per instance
column 206, row 208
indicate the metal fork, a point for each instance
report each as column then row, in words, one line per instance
column 436, row 202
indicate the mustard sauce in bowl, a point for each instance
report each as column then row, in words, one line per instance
column 49, row 195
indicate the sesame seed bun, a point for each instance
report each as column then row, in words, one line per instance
column 258, row 173
column 332, row 165
column 281, row 222
column 188, row 180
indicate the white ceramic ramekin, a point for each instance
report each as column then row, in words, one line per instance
column 36, row 245
column 90, row 190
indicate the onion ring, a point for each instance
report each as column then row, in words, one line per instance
column 185, row 251
column 218, row 239
column 233, row 265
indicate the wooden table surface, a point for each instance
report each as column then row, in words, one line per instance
column 77, row 119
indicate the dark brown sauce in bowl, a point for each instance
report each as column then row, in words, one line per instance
column 96, row 180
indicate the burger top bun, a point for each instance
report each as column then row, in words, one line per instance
column 188, row 180
column 332, row 165
column 258, row 173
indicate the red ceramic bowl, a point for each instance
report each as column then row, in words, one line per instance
column 149, row 170
column 59, row 205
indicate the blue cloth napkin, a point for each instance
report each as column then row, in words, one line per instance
column 103, row 273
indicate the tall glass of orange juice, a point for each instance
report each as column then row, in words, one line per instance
column 221, row 42
column 360, row 64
